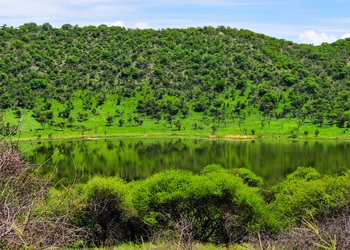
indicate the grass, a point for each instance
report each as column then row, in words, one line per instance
column 96, row 127
column 170, row 246
column 255, row 126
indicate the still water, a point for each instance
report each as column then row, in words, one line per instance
column 135, row 158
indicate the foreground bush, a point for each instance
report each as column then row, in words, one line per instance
column 248, row 177
column 306, row 193
column 103, row 210
column 212, row 207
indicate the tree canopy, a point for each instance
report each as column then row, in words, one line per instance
column 218, row 71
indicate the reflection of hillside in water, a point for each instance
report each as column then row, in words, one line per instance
column 134, row 159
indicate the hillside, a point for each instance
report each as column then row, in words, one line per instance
column 206, row 78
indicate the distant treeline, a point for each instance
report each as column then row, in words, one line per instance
column 221, row 72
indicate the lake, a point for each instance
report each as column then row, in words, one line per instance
column 136, row 158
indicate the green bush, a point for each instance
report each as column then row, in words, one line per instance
column 303, row 173
column 215, row 206
column 305, row 192
column 248, row 177
column 213, row 168
column 104, row 211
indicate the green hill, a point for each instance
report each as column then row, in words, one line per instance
column 112, row 80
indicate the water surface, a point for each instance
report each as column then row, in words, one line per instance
column 135, row 158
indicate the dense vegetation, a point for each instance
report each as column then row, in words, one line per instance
column 217, row 206
column 85, row 78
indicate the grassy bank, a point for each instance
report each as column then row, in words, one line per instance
column 253, row 127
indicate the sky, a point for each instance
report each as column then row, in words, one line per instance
column 300, row 21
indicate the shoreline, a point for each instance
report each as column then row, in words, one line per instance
column 238, row 137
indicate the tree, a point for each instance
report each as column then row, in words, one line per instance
column 37, row 84
column 42, row 120
column 67, row 26
column 214, row 129
column 110, row 120
column 268, row 102
column 158, row 117
column 61, row 125
column 169, row 120
column 136, row 119
column 185, row 111
column 46, row 26
column 51, row 123
column 130, row 120
column 121, row 122
column 317, row 132
column 18, row 113
column 64, row 114
column 177, row 123
column 5, row 101
column 319, row 119
column 288, row 79
column 71, row 120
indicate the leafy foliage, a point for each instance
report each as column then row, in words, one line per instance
column 103, row 210
column 214, row 206
column 222, row 72
column 217, row 206
column 248, row 177
column 305, row 192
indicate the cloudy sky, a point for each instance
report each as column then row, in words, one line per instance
column 301, row 21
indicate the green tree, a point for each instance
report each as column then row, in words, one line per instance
column 317, row 132
column 42, row 120
column 61, row 125
column 71, row 120
column 5, row 101
column 177, row 124
column 110, row 120
column 121, row 122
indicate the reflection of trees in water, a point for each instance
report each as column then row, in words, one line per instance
column 121, row 144
column 158, row 150
column 137, row 158
column 43, row 153
column 144, row 151
column 110, row 146
column 138, row 145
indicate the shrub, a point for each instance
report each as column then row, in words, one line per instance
column 212, row 207
column 104, row 211
column 305, row 192
column 248, row 177
column 304, row 173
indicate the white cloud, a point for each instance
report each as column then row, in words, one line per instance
column 116, row 23
column 141, row 25
column 311, row 37
column 346, row 36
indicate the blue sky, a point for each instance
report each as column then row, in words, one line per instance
column 308, row 21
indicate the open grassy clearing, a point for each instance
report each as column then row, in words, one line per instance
column 254, row 126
